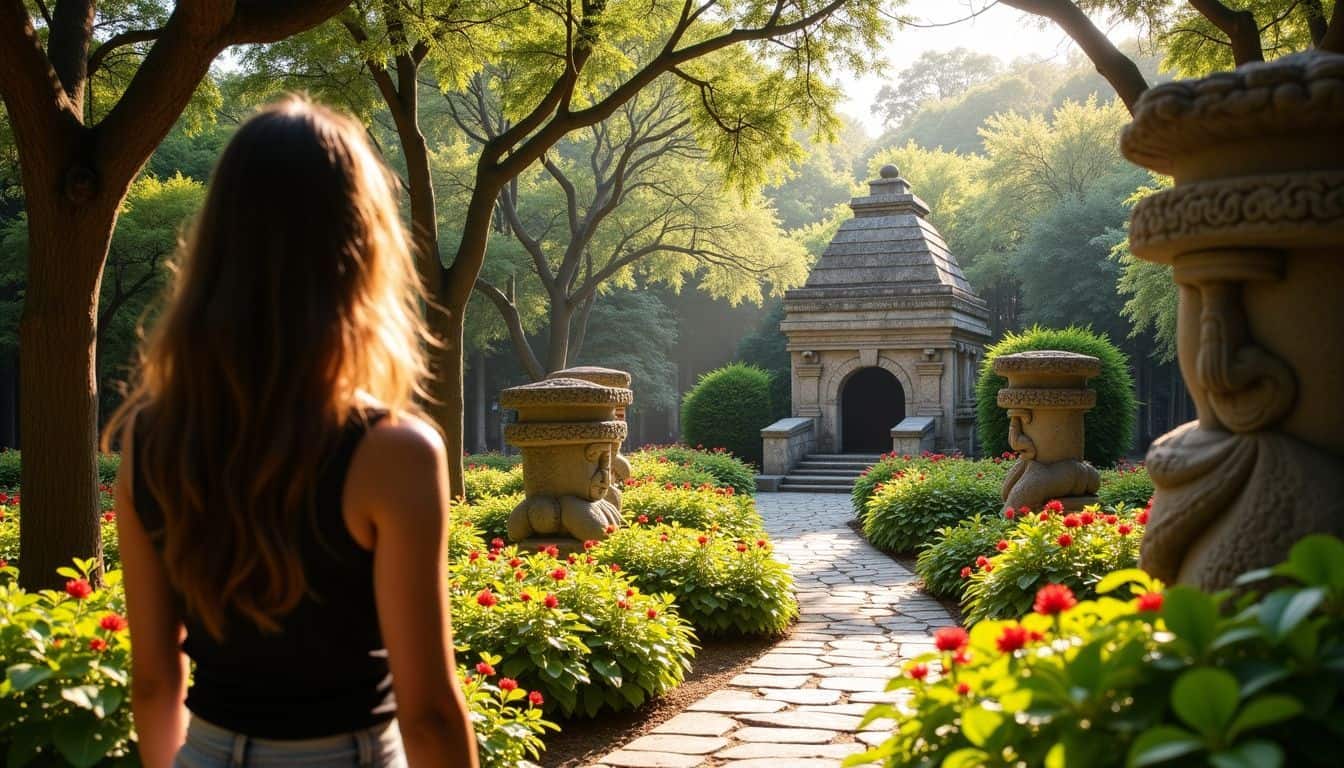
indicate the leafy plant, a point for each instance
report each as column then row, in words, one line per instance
column 11, row 464
column 727, row 470
column 1127, row 485
column 705, row 508
column 507, row 719
column 903, row 513
column 1108, row 428
column 11, row 511
column 946, row 564
column 721, row 583
column 1077, row 550
column 483, row 481
column 491, row 460
column 727, row 408
column 489, row 514
column 1179, row 677
column 657, row 468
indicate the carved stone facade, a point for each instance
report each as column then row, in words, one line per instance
column 606, row 377
column 1254, row 231
column 886, row 295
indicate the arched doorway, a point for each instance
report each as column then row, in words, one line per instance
column 871, row 403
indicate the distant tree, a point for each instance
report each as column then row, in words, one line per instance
column 1151, row 293
column 634, row 331
column 767, row 348
column 934, row 75
column 821, row 180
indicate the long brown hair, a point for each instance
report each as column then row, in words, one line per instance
column 295, row 294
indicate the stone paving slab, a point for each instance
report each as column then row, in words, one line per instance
column 800, row 704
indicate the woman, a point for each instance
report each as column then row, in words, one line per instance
column 282, row 517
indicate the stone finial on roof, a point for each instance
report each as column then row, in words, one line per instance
column 887, row 194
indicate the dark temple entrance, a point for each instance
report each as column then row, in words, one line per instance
column 871, row 403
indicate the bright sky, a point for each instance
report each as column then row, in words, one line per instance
column 1000, row 31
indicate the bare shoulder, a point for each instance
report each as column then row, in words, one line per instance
column 400, row 464
column 404, row 436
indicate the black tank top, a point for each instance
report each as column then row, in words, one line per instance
column 325, row 672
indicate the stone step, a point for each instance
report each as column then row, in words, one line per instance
column 869, row 458
column 787, row 487
column 824, row 472
column 836, row 465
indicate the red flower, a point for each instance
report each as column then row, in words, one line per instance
column 515, row 562
column 962, row 656
column 518, row 575
column 1045, row 516
column 629, row 593
column 662, row 537
column 623, row 605
column 112, row 623
column 1002, row 546
column 109, row 516
column 615, row 568
column 1112, row 519
column 526, row 597
column 484, row 670
column 610, row 529
column 559, row 574
column 572, row 559
column 496, row 543
column 918, row 671
column 651, row 613
column 589, row 544
column 97, row 644
column 1024, row 511
column 1150, row 602
column 982, row 561
column 535, row 699
column 1012, row 638
column 1054, row 599
column 507, row 684
column 78, row 588
column 1072, row 521
column 1124, row 529
column 1064, row 540
column 1009, row 513
column 492, row 557
column 552, row 601
column 1142, row 518
column 642, row 519
column 702, row 540
column 4, row 563
column 760, row 543
column 963, row 689
column 989, row 568
column 473, row 556
column 1087, row 518
column 1054, row 505
column 951, row 638
column 966, row 572
column 486, row 599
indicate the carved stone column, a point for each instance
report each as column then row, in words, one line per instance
column 566, row 429
column 1254, row 231
column 606, row 377
column 1046, row 398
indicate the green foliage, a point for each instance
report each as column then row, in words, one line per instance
column 11, row 465
column 64, row 698
column 724, row 469
column 727, row 409
column 767, row 349
column 934, row 75
column 1179, row 677
column 10, row 512
column 904, row 512
column 492, row 460
column 1150, row 288
column 1076, row 550
column 887, row 468
column 463, row 536
column 483, row 482
column 703, row 508
column 489, row 514
column 507, row 723
column 622, row 315
column 940, row 564
column 603, row 646
column 1108, row 429
column 1130, row 486
column 721, row 583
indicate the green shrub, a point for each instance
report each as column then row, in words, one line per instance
column 484, row 482
column 603, row 646
column 1038, row 553
column 1108, row 430
column 721, row 583
column 657, row 468
column 64, row 695
column 1175, row 678
column 704, row 508
column 728, row 470
column 463, row 537
column 727, row 409
column 489, row 515
column 492, row 460
column 11, row 464
column 1130, row 486
column 903, row 514
column 893, row 465
column 508, row 721
column 10, row 513
column 941, row 563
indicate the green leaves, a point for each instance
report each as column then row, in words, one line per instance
column 1192, row 616
column 1206, row 700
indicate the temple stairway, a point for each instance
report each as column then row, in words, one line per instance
column 827, row 472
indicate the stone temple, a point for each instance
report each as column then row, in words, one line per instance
column 885, row 338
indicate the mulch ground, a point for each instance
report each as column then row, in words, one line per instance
column 582, row 741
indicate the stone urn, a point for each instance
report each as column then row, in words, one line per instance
column 1253, row 228
column 566, row 430
column 1046, row 398
column 606, row 377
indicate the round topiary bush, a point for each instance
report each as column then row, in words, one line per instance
column 727, row 409
column 1108, row 428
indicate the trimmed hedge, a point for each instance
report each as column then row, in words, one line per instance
column 727, row 409
column 1108, row 428
column 726, row 470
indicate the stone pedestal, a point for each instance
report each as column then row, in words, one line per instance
column 1254, row 231
column 606, row 377
column 567, row 430
column 1046, row 398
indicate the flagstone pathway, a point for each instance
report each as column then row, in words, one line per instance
column 799, row 705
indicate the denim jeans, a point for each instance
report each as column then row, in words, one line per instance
column 210, row 746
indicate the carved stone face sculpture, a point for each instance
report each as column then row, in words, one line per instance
column 1253, row 229
column 566, row 429
column 605, row 377
column 1046, row 398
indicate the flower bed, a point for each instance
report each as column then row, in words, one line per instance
column 678, row 464
column 1137, row 677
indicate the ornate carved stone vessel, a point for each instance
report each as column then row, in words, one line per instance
column 606, row 377
column 567, row 430
column 1046, row 398
column 1253, row 229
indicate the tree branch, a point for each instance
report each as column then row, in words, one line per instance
column 1239, row 26
column 1118, row 69
column 1333, row 40
column 30, row 88
column 68, row 40
column 119, row 40
column 509, row 311
column 269, row 21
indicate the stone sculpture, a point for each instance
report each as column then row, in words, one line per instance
column 1046, row 398
column 566, row 429
column 606, row 377
column 1253, row 228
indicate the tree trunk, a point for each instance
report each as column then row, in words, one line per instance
column 57, row 383
column 557, row 355
column 447, row 405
